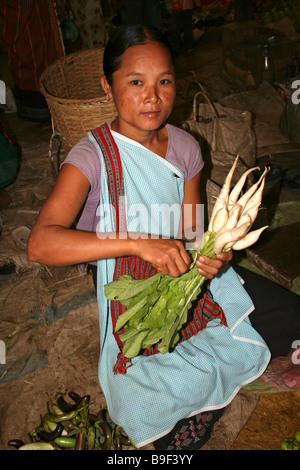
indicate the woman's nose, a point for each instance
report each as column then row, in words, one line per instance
column 152, row 95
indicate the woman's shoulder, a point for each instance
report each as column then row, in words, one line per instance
column 184, row 151
column 181, row 136
column 85, row 157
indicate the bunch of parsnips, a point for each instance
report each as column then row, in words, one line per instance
column 157, row 307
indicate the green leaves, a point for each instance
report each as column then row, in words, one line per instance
column 130, row 313
column 157, row 307
column 126, row 287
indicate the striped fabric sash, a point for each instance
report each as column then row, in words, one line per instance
column 203, row 310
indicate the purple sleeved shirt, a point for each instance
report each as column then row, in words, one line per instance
column 183, row 151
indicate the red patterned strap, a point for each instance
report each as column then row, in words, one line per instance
column 203, row 310
column 133, row 265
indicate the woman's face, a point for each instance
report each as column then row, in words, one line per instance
column 144, row 88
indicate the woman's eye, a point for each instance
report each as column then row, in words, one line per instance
column 165, row 81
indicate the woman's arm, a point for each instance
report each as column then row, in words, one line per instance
column 53, row 242
column 192, row 226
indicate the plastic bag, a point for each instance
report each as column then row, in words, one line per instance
column 284, row 372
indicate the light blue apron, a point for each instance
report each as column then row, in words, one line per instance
column 204, row 372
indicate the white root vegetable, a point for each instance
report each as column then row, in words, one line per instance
column 233, row 196
column 233, row 215
column 223, row 195
column 248, row 239
column 243, row 200
column 256, row 198
column 233, row 218
column 230, row 237
column 251, row 212
column 246, row 220
column 220, row 218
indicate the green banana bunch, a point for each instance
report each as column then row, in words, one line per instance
column 68, row 426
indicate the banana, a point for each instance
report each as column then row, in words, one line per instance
column 37, row 446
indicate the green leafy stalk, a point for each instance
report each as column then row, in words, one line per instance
column 157, row 307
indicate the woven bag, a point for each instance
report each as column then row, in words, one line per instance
column 289, row 122
column 221, row 129
column 77, row 103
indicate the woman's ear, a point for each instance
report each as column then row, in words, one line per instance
column 106, row 87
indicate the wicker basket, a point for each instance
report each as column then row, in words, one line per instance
column 76, row 100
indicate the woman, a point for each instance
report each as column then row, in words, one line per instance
column 154, row 167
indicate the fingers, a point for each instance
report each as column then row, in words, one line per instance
column 169, row 257
column 174, row 261
column 209, row 267
column 226, row 257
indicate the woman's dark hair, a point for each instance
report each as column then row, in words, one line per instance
column 125, row 37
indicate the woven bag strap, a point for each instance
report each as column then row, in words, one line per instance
column 214, row 111
column 113, row 165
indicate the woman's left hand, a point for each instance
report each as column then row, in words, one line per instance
column 209, row 267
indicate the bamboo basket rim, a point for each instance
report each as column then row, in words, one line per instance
column 100, row 98
column 66, row 59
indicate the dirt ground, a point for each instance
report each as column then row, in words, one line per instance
column 56, row 312
column 277, row 416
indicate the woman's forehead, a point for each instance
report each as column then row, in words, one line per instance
column 148, row 53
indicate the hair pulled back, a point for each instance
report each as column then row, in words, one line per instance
column 125, row 37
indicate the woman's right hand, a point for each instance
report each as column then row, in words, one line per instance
column 168, row 256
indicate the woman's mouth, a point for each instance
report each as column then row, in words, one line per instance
column 151, row 114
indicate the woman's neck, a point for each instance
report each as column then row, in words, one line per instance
column 155, row 140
